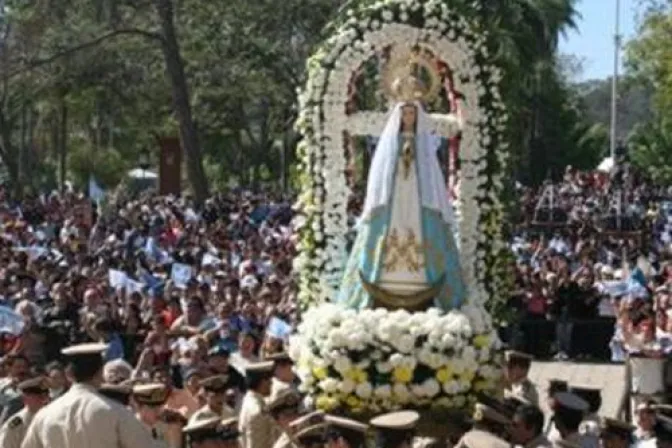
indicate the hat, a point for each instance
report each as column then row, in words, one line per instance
column 516, row 356
column 484, row 412
column 259, row 368
column 37, row 385
column 400, row 420
column 216, row 383
column 646, row 406
column 592, row 396
column 571, row 402
column 87, row 349
column 202, row 429
column 664, row 409
column 154, row 394
column 345, row 423
column 312, row 434
column 307, row 420
column 118, row 392
column 616, row 427
column 286, row 399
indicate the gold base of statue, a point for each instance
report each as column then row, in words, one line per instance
column 383, row 298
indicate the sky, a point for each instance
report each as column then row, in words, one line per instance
column 593, row 41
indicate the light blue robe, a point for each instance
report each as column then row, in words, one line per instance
column 437, row 246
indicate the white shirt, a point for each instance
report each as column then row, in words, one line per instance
column 82, row 418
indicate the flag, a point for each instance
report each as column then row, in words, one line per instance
column 96, row 193
column 10, row 322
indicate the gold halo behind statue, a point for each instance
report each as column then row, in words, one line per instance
column 412, row 76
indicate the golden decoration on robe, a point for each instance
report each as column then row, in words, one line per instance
column 408, row 155
column 383, row 297
column 402, row 253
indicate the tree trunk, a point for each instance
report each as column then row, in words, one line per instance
column 63, row 145
column 181, row 102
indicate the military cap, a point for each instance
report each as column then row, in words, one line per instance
column 663, row 429
column 230, row 422
column 203, row 429
column 570, row 402
column 663, row 409
column 307, row 420
column 286, row 399
column 154, row 394
column 312, row 434
column 400, row 420
column 216, row 383
column 616, row 427
column 345, row 423
column 118, row 392
column 646, row 406
column 263, row 367
column 592, row 396
column 517, row 357
column 87, row 349
column 483, row 412
column 37, row 385
column 279, row 358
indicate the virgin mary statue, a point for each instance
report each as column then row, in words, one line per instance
column 404, row 255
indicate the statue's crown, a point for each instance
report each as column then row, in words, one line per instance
column 413, row 76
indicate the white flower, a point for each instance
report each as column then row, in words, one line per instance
column 387, row 15
column 401, row 393
column 347, row 386
column 329, row 385
column 384, row 367
column 432, row 387
column 364, row 390
column 342, row 364
column 384, row 391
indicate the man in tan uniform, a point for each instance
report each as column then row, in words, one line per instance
column 211, row 433
column 214, row 388
column 284, row 409
column 568, row 415
column 345, row 433
column 35, row 395
column 283, row 375
column 527, row 428
column 516, row 369
column 616, row 434
column 256, row 426
column 489, row 425
column 84, row 418
column 149, row 400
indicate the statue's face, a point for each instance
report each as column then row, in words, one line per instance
column 408, row 116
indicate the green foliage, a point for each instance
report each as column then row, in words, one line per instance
column 650, row 147
column 106, row 165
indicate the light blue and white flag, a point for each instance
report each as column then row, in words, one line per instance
column 278, row 328
column 10, row 322
column 117, row 279
column 180, row 274
column 96, row 193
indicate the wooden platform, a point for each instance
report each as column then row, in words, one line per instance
column 611, row 378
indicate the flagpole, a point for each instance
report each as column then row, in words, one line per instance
column 614, row 82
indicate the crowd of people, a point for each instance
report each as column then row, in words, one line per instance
column 184, row 311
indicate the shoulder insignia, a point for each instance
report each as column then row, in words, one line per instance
column 14, row 422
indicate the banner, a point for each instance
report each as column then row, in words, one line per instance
column 10, row 322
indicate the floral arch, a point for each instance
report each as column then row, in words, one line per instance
column 324, row 120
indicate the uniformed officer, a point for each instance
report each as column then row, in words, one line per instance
column 256, row 426
column 615, row 433
column 645, row 420
column 284, row 409
column 212, row 433
column 663, row 432
column 527, row 427
column 148, row 400
column 395, row 429
column 82, row 417
column 313, row 436
column 488, row 429
column 554, row 386
column 568, row 415
column 591, row 421
column 214, row 391
column 345, row 433
column 516, row 370
column 310, row 419
column 35, row 395
column 283, row 375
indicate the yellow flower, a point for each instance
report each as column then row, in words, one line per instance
column 320, row 373
column 356, row 375
column 480, row 386
column 402, row 374
column 352, row 402
column 467, row 376
column 482, row 341
column 325, row 402
column 444, row 374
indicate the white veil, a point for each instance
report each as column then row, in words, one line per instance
column 380, row 183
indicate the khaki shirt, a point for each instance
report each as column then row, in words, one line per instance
column 13, row 430
column 477, row 438
column 256, row 426
column 277, row 386
column 524, row 389
column 84, row 418
column 285, row 441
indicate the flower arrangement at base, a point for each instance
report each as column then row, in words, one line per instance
column 378, row 360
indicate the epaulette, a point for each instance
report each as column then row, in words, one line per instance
column 14, row 422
